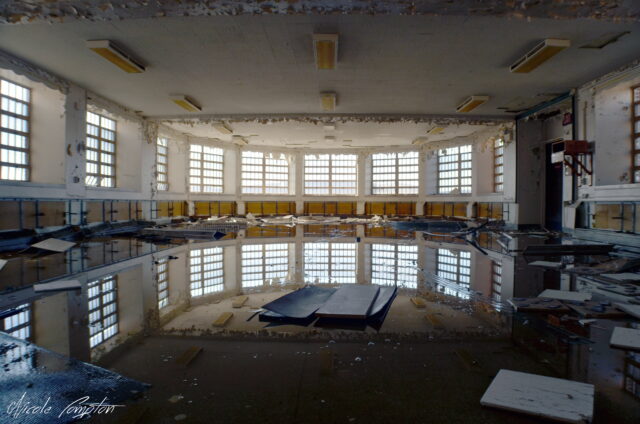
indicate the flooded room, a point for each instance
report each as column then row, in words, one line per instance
column 306, row 211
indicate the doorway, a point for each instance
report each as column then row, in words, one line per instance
column 553, row 189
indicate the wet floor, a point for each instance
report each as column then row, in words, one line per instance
column 144, row 303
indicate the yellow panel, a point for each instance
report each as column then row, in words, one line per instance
column 214, row 209
column 285, row 208
column 227, row 208
column 314, row 207
column 627, row 221
column 202, row 208
column 134, row 210
column 10, row 212
column 406, row 208
column 437, row 209
column 51, row 214
column 391, row 208
column 254, row 208
column 376, row 208
column 346, row 208
column 94, row 212
column 330, row 208
column 496, row 212
column 604, row 217
column 179, row 208
column 269, row 208
column 460, row 209
column 119, row 211
column 483, row 210
column 162, row 209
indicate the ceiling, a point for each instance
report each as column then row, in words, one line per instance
column 264, row 64
column 294, row 134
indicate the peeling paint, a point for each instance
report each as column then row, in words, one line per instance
column 52, row 11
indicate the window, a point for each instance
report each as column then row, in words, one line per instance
column 455, row 266
column 205, row 169
column 162, row 164
column 496, row 281
column 162, row 279
column 18, row 324
column 331, row 174
column 264, row 261
column 498, row 165
column 103, row 310
column 263, row 173
column 330, row 262
column 14, row 131
column 206, row 271
column 454, row 170
column 393, row 264
column 635, row 147
column 395, row 173
column 101, row 151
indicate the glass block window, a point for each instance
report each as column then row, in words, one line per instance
column 103, row 309
column 455, row 266
column 162, row 164
column 635, row 139
column 19, row 323
column 264, row 261
column 162, row 280
column 393, row 264
column 101, row 151
column 265, row 173
column 498, row 165
column 395, row 173
column 14, row 131
column 205, row 169
column 206, row 271
column 330, row 262
column 454, row 170
column 331, row 174
column 496, row 281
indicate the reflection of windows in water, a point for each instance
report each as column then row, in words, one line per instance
column 330, row 262
column 103, row 308
column 264, row 261
column 20, row 358
column 162, row 279
column 496, row 281
column 455, row 266
column 206, row 271
column 393, row 264
column 19, row 324
column 631, row 370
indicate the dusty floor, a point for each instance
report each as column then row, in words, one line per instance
column 292, row 382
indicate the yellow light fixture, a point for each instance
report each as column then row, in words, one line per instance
column 435, row 130
column 186, row 102
column 544, row 51
column 328, row 101
column 325, row 49
column 471, row 103
column 116, row 55
column 223, row 127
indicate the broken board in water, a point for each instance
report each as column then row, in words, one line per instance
column 354, row 302
column 548, row 397
column 57, row 285
column 625, row 338
column 54, row 245
column 633, row 310
column 301, row 303
column 565, row 295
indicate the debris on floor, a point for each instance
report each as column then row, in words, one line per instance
column 625, row 338
column 565, row 295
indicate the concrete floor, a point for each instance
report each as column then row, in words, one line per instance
column 238, row 381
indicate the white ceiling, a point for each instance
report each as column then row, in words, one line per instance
column 348, row 134
column 264, row 64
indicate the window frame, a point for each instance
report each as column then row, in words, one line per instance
column 202, row 169
column 27, row 135
column 635, row 135
column 263, row 179
column 258, row 262
column 18, row 324
column 396, row 165
column 218, row 253
column 330, row 263
column 459, row 170
column 162, row 281
column 332, row 157
column 99, row 151
column 457, row 255
column 396, row 265
column 100, row 308
column 166, row 163
column 498, row 187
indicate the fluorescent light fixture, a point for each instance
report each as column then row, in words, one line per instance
column 471, row 103
column 328, row 101
column 223, row 127
column 186, row 102
column 605, row 40
column 329, row 138
column 325, row 50
column 116, row 55
column 544, row 51
column 239, row 140
column 329, row 127
column 435, row 130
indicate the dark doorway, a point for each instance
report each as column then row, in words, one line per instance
column 553, row 190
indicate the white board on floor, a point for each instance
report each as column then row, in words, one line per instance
column 565, row 295
column 547, row 264
column 548, row 397
column 57, row 285
column 54, row 245
column 624, row 276
column 633, row 310
column 625, row 338
column 3, row 262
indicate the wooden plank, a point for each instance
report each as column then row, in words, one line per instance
column 57, row 285
column 537, row 304
column 547, row 264
column 434, row 320
column 188, row 356
column 10, row 212
column 597, row 310
column 222, row 319
column 625, row 338
column 239, row 301
column 418, row 302
column 349, row 302
column 623, row 277
column 467, row 359
column 55, row 245
column 565, row 295
column 547, row 397
column 633, row 310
